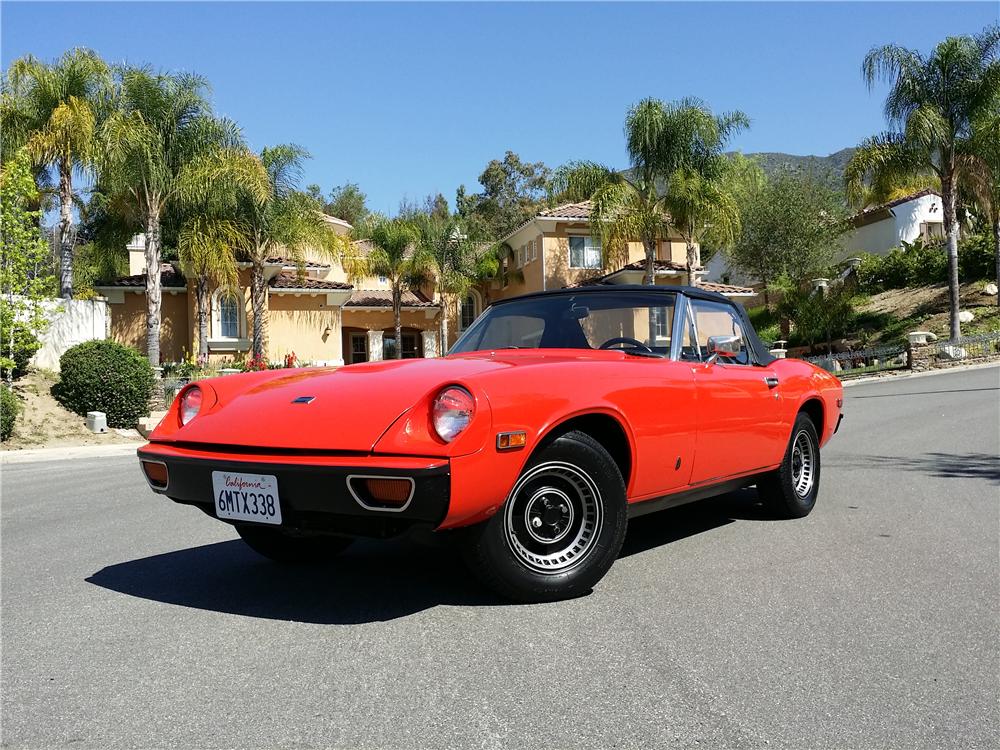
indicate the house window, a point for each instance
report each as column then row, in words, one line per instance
column 932, row 231
column 660, row 322
column 584, row 252
column 468, row 312
column 411, row 346
column 534, row 250
column 359, row 347
column 227, row 315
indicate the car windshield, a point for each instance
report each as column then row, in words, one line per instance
column 635, row 322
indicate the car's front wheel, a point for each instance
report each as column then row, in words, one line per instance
column 791, row 490
column 278, row 545
column 561, row 527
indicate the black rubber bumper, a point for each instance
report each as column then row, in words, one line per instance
column 315, row 498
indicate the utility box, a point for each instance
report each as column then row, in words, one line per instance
column 97, row 421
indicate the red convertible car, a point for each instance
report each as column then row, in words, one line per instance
column 554, row 419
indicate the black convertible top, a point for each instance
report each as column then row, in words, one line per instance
column 760, row 352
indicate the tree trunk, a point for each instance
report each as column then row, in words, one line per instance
column 154, row 294
column 397, row 304
column 951, row 229
column 444, row 323
column 65, row 231
column 201, row 288
column 258, row 290
column 692, row 260
column 649, row 245
column 996, row 250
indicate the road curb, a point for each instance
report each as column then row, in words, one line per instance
column 67, row 453
column 909, row 375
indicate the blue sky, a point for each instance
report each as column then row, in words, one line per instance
column 411, row 99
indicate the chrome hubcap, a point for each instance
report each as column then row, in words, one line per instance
column 803, row 464
column 553, row 517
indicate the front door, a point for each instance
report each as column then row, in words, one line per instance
column 738, row 406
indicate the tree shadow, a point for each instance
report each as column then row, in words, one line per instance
column 936, row 464
column 373, row 581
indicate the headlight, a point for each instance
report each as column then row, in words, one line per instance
column 452, row 412
column 190, row 404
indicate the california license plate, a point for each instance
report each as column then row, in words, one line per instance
column 246, row 497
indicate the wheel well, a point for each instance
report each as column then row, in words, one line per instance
column 813, row 408
column 607, row 431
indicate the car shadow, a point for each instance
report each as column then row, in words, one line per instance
column 936, row 464
column 373, row 581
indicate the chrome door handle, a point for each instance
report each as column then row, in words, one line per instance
column 772, row 382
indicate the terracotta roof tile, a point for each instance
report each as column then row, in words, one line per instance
column 570, row 211
column 170, row 278
column 383, row 298
column 278, row 259
column 712, row 286
column 291, row 280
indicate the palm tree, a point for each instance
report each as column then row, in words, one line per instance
column 931, row 105
column 207, row 247
column 286, row 221
column 161, row 145
column 456, row 260
column 980, row 157
column 662, row 139
column 53, row 109
column 395, row 252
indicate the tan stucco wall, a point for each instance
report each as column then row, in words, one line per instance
column 128, row 324
column 297, row 324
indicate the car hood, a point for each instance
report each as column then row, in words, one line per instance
column 347, row 409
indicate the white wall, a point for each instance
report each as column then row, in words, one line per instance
column 70, row 322
column 903, row 225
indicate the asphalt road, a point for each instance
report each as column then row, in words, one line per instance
column 128, row 621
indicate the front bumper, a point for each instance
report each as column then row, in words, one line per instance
column 313, row 489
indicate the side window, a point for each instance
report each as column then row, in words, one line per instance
column 715, row 319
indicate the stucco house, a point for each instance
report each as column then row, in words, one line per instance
column 315, row 312
column 879, row 229
column 312, row 311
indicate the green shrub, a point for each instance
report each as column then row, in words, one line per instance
column 25, row 343
column 9, row 407
column 105, row 376
column 920, row 264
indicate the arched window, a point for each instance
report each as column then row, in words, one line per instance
column 227, row 315
column 470, row 310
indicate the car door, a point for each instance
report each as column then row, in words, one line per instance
column 738, row 401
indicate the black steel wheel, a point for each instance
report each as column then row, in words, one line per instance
column 561, row 527
column 791, row 490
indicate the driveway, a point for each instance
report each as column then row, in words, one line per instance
column 131, row 622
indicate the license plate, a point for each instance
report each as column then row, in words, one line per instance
column 246, row 497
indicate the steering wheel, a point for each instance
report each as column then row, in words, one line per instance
column 611, row 343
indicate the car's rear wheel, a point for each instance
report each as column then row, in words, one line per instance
column 791, row 490
column 561, row 527
column 279, row 545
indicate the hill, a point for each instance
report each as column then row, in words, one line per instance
column 828, row 169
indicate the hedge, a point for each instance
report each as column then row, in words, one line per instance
column 105, row 376
column 25, row 342
column 920, row 264
column 9, row 407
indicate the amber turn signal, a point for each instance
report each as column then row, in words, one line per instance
column 389, row 491
column 156, row 473
column 508, row 441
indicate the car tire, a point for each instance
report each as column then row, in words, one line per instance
column 561, row 527
column 791, row 490
column 280, row 546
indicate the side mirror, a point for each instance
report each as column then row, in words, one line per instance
column 723, row 346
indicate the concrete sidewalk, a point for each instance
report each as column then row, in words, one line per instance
column 66, row 453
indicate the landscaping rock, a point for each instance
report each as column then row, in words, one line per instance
column 965, row 316
column 921, row 337
column 990, row 289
